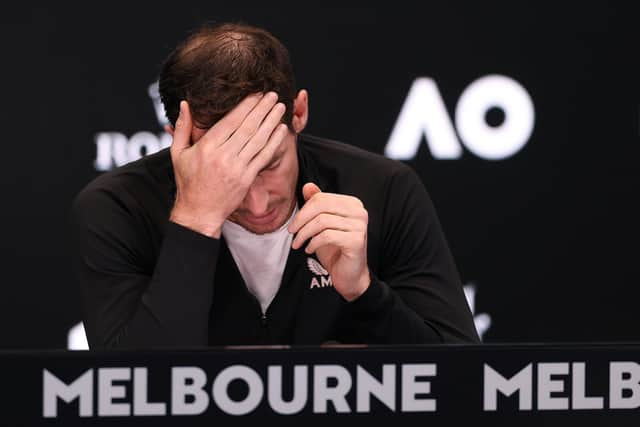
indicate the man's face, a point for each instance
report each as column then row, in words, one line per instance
column 272, row 196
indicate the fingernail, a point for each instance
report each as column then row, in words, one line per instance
column 282, row 128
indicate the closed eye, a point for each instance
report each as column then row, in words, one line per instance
column 273, row 165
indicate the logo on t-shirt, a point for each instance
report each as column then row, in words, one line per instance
column 318, row 270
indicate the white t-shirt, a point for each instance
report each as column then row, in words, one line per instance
column 261, row 258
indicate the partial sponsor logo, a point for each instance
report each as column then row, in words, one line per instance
column 323, row 279
column 482, row 321
column 563, row 386
column 77, row 338
column 115, row 149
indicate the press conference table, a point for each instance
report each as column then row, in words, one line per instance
column 488, row 384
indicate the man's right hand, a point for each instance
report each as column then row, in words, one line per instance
column 213, row 175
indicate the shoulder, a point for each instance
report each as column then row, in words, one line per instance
column 385, row 186
column 136, row 181
column 345, row 159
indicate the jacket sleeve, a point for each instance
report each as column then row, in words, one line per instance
column 135, row 294
column 417, row 295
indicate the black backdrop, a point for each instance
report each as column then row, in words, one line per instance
column 548, row 236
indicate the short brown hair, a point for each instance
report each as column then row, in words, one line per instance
column 220, row 64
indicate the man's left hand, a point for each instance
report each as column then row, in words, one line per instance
column 337, row 227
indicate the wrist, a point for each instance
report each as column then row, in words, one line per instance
column 363, row 284
column 209, row 226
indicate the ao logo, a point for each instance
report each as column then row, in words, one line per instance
column 424, row 114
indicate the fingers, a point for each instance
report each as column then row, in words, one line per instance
column 309, row 190
column 264, row 156
column 182, row 132
column 336, row 204
column 260, row 138
column 252, row 122
column 326, row 221
column 220, row 132
column 345, row 240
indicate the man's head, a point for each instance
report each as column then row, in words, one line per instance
column 216, row 68
column 218, row 65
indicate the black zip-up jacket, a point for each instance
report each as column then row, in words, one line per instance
column 149, row 282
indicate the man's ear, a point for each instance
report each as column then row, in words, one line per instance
column 169, row 129
column 300, row 111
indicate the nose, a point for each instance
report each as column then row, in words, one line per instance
column 256, row 202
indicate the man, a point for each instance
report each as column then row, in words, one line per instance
column 248, row 232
